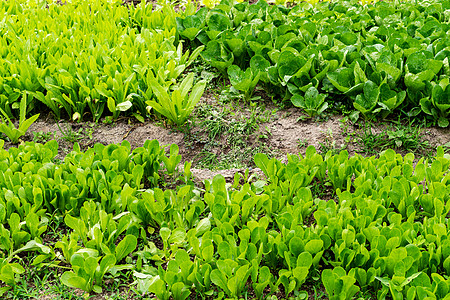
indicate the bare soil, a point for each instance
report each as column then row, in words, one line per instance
column 285, row 133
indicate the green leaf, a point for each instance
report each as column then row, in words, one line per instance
column 217, row 56
column 125, row 247
column 313, row 103
column 427, row 106
column 177, row 236
column 207, row 253
column 124, row 106
column 392, row 71
column 314, row 246
column 305, row 259
column 262, row 162
column 418, row 63
column 4, row 290
column 224, row 250
column 90, row 265
column 190, row 33
column 218, row 22
column 366, row 102
column 194, row 55
column 70, row 279
column 296, row 246
column 179, row 291
column 165, row 232
column 194, row 97
column 298, row 101
column 219, row 279
column 203, row 226
column 192, row 25
column 236, row 45
column 107, row 262
column 8, row 271
column 441, row 97
column 342, row 79
column 243, row 81
column 97, row 289
column 289, row 64
column 186, row 85
column 111, row 104
column 33, row 246
column 241, row 277
column 259, row 63
column 360, row 76
column 300, row 274
column 23, row 126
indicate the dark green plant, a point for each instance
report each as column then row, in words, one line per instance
column 313, row 103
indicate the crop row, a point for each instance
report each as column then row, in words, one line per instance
column 99, row 59
column 89, row 58
column 102, row 214
column 381, row 58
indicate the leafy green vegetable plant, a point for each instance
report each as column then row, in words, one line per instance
column 338, row 284
column 313, row 103
column 243, row 81
column 88, row 270
column 178, row 105
column 230, row 277
column 10, row 130
column 438, row 105
column 111, row 71
column 378, row 234
column 292, row 54
column 218, row 56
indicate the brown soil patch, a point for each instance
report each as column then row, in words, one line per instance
column 286, row 133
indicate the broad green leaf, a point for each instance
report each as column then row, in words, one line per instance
column 314, row 246
column 392, row 71
column 296, row 246
column 219, row 279
column 342, row 79
column 218, row 22
column 366, row 102
column 125, row 247
column 70, row 279
column 300, row 274
column 124, row 106
column 203, row 226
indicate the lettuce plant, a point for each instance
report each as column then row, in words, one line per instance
column 178, row 105
column 191, row 26
column 243, row 81
column 218, row 56
column 7, row 126
column 110, row 71
column 88, row 270
column 230, row 277
column 338, row 284
column 313, row 103
column 420, row 67
column 438, row 104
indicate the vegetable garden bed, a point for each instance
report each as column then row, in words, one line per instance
column 235, row 151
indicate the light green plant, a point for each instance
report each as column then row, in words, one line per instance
column 7, row 126
column 179, row 104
